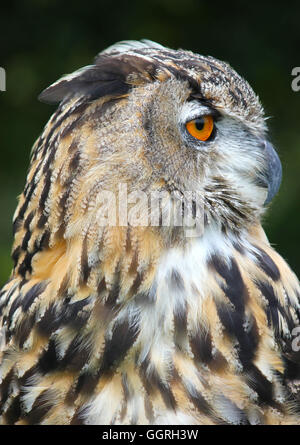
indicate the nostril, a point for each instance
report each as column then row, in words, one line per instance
column 263, row 144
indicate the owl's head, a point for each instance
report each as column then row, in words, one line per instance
column 157, row 119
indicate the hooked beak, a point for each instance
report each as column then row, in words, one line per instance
column 273, row 173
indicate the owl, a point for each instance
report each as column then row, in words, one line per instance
column 144, row 289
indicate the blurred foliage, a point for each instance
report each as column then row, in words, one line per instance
column 43, row 39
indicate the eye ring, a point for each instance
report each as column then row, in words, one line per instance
column 201, row 128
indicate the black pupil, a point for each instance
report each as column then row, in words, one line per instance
column 199, row 122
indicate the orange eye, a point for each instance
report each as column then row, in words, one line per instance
column 201, row 128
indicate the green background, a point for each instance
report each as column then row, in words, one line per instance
column 41, row 40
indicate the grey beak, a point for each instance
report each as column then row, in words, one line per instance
column 273, row 171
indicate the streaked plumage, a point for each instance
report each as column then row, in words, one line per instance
column 142, row 324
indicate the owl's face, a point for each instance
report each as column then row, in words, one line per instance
column 159, row 119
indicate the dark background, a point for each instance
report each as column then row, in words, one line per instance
column 43, row 39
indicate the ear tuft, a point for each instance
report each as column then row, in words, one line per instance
column 126, row 46
column 92, row 81
column 108, row 76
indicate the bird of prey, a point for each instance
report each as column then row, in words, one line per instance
column 144, row 289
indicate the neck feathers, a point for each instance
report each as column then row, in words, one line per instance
column 193, row 325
